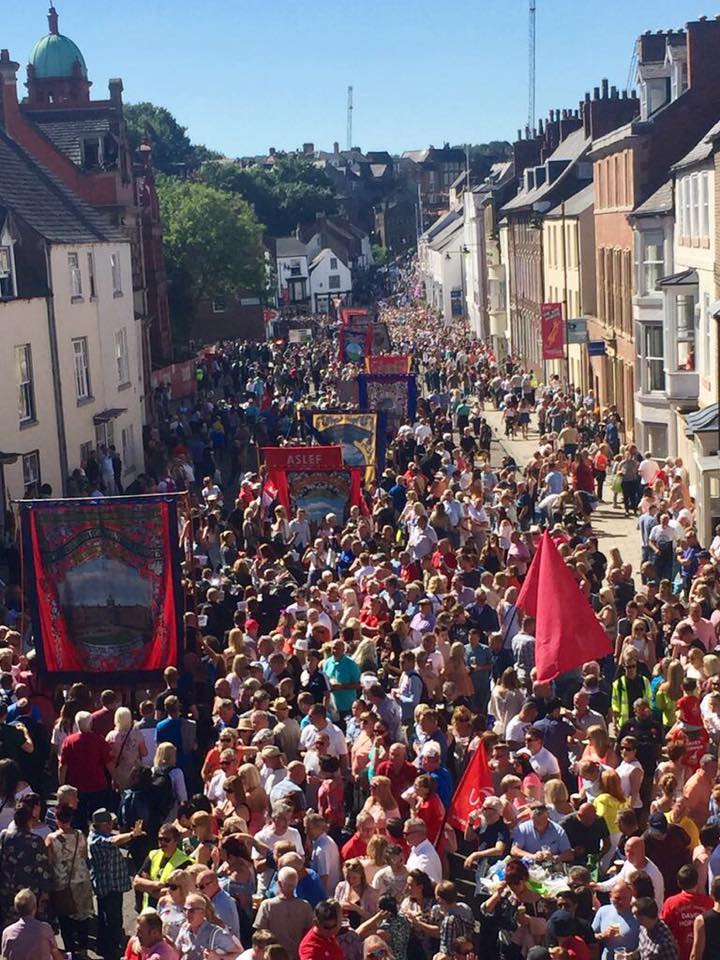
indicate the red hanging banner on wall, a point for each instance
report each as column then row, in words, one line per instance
column 553, row 331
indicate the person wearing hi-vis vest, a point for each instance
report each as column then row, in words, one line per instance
column 159, row 864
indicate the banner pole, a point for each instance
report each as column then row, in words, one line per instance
column 189, row 556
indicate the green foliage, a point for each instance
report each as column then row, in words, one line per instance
column 213, row 246
column 172, row 150
column 381, row 255
column 290, row 192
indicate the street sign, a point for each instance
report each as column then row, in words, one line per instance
column 577, row 331
column 596, row 348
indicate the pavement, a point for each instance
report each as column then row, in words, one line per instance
column 611, row 525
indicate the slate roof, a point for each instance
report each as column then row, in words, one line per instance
column 45, row 203
column 68, row 135
column 290, row 247
column 701, row 151
column 571, row 149
column 659, row 202
column 702, row 421
column 576, row 204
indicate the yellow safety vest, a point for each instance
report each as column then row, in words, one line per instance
column 161, row 871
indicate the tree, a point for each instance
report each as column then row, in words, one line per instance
column 291, row 192
column 213, row 246
column 172, row 149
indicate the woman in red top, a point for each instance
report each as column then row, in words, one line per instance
column 427, row 806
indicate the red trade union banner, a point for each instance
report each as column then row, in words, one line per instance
column 553, row 331
column 103, row 579
column 475, row 785
column 387, row 364
column 303, row 458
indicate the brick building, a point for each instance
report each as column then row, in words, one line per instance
column 85, row 144
column 679, row 87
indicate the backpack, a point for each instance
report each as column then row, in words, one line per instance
column 162, row 793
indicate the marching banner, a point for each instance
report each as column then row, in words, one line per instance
column 303, row 457
column 357, row 433
column 553, row 331
column 380, row 340
column 393, row 393
column 354, row 345
column 103, row 582
column 359, row 317
column 387, row 364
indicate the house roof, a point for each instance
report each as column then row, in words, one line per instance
column 289, row 247
column 576, row 204
column 570, row 150
column 702, row 421
column 68, row 134
column 325, row 252
column 445, row 236
column 45, row 203
column 659, row 202
column 701, row 151
column 442, row 222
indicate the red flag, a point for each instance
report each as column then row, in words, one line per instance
column 475, row 784
column 567, row 632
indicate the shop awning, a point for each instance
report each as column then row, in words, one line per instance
column 702, row 421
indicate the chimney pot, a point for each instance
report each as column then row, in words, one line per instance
column 613, row 93
column 624, row 95
column 587, row 96
column 702, row 19
column 596, row 93
column 519, row 134
column 604, row 85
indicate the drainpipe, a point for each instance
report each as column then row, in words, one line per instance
column 55, row 369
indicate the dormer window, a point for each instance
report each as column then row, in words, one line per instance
column 92, row 151
column 8, row 287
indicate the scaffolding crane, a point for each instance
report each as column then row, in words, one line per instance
column 349, row 117
column 531, row 69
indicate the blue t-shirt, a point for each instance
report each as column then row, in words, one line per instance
column 629, row 930
column 344, row 670
column 530, row 840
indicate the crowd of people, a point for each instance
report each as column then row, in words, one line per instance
column 286, row 793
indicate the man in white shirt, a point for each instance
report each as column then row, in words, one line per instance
column 337, row 746
column 423, row 431
column 423, row 855
column 300, row 530
column 325, row 857
column 648, row 470
column 636, row 861
column 541, row 760
column 214, row 790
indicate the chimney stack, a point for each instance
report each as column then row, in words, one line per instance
column 604, row 88
column 115, row 86
column 8, row 88
column 336, row 147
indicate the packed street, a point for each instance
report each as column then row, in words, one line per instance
column 360, row 541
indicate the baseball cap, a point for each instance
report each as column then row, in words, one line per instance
column 658, row 823
column 270, row 752
column 101, row 816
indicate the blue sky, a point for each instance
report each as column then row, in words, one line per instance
column 243, row 75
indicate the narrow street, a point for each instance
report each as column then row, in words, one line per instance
column 611, row 525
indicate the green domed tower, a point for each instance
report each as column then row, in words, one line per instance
column 57, row 74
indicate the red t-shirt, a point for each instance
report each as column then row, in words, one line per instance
column 314, row 946
column 399, row 782
column 84, row 755
column 679, row 912
column 103, row 720
column 355, row 847
column 688, row 711
column 576, row 948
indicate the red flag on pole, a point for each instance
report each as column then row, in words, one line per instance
column 567, row 632
column 475, row 784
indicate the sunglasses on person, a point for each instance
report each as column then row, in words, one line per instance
column 173, row 886
column 192, row 909
column 377, row 954
column 226, row 763
column 206, row 883
column 163, row 840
